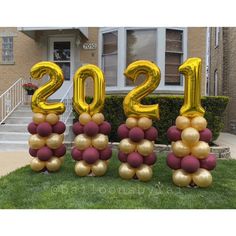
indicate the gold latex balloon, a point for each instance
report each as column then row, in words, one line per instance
column 82, row 141
column 98, row 118
column 62, row 159
column 38, row 118
column 84, row 118
column 40, row 96
column 131, row 103
column 201, row 150
column 190, row 136
column 181, row 178
column 52, row 118
column 126, row 145
column 54, row 141
column 180, row 149
column 79, row 103
column 36, row 142
column 144, row 173
column 202, row 178
column 82, row 169
column 199, row 123
column 191, row 69
column 99, row 168
column 144, row 123
column 182, row 122
column 126, row 171
column 145, row 147
column 53, row 164
column 131, row 122
column 36, row 164
column 100, row 141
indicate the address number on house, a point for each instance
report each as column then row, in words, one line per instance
column 89, row 46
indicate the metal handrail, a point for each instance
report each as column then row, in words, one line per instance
column 11, row 99
column 67, row 100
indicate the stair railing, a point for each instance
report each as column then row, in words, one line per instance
column 11, row 99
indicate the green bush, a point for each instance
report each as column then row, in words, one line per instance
column 169, row 110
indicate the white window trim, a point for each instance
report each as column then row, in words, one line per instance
column 217, row 34
column 160, row 53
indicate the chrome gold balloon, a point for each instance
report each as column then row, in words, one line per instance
column 36, row 142
column 201, row 150
column 53, row 164
column 191, row 69
column 84, row 118
column 52, row 118
column 131, row 104
column 98, row 118
column 182, row 122
column 82, row 141
column 54, row 141
column 131, row 122
column 190, row 136
column 79, row 103
column 39, row 102
column 144, row 123
column 126, row 145
column 181, row 178
column 180, row 149
column 199, row 123
column 99, row 168
column 36, row 164
column 126, row 171
column 144, row 173
column 202, row 178
column 82, row 169
column 38, row 118
column 145, row 147
column 100, row 141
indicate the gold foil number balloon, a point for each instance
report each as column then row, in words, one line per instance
column 191, row 69
column 40, row 96
column 79, row 103
column 131, row 104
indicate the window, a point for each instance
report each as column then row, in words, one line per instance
column 217, row 32
column 109, row 57
column 7, row 49
column 173, row 56
column 140, row 45
column 215, row 83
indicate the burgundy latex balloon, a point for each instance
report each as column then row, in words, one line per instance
column 44, row 153
column 59, row 128
column 206, row 135
column 105, row 128
column 151, row 134
column 173, row 134
column 44, row 129
column 190, row 164
column 123, row 131
column 135, row 159
column 122, row 156
column 32, row 128
column 91, row 129
column 136, row 134
column 76, row 154
column 90, row 155
column 150, row 160
column 77, row 128
column 208, row 163
column 173, row 162
column 59, row 152
column 33, row 152
column 106, row 153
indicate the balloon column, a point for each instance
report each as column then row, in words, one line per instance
column 46, row 140
column 91, row 150
column 137, row 134
column 190, row 157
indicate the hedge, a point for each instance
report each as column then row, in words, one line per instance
column 169, row 110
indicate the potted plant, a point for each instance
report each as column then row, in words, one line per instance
column 30, row 88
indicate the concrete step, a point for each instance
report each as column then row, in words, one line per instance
column 18, row 120
column 22, row 113
column 13, row 128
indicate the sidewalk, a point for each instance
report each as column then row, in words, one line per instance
column 10, row 161
column 227, row 140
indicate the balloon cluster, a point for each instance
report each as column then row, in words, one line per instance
column 190, row 157
column 91, row 150
column 136, row 148
column 46, row 142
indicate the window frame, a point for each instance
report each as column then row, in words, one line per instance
column 216, row 82
column 160, row 53
column 12, row 51
column 217, row 35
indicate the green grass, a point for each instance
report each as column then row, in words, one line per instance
column 27, row 189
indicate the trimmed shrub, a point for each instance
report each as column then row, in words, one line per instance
column 169, row 106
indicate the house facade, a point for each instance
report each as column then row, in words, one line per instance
column 112, row 49
column 222, row 70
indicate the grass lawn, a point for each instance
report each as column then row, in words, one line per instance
column 27, row 189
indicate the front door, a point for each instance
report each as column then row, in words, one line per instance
column 61, row 52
